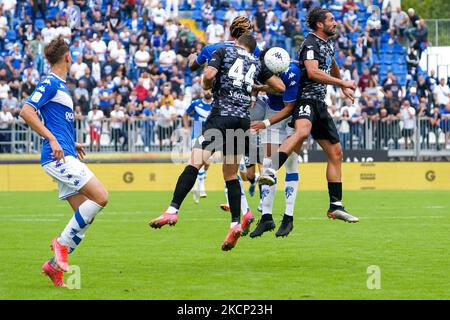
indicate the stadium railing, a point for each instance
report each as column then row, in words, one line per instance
column 138, row 135
column 438, row 32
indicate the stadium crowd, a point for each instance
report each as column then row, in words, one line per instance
column 130, row 63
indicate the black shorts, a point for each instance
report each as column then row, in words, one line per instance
column 323, row 127
column 407, row 132
column 230, row 135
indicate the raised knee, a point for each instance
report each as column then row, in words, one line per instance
column 103, row 199
column 337, row 156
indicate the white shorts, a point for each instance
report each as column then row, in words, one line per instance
column 278, row 132
column 71, row 175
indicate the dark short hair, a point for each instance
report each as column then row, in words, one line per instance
column 316, row 15
column 56, row 49
column 248, row 40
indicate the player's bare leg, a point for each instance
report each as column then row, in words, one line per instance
column 185, row 183
column 334, row 178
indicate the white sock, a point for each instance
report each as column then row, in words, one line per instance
column 201, row 178
column 268, row 197
column 233, row 224
column 226, row 195
column 244, row 204
column 267, row 163
column 171, row 210
column 76, row 229
column 291, row 185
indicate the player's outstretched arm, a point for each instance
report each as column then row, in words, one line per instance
column 28, row 114
column 315, row 74
column 208, row 77
column 272, row 85
column 192, row 62
column 284, row 113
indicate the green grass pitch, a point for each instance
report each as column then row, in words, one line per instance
column 404, row 233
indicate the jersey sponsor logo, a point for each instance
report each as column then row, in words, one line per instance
column 310, row 55
column 36, row 97
column 239, row 96
column 69, row 116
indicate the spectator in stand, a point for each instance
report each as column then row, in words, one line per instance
column 94, row 118
column 3, row 29
column 421, row 38
column 172, row 4
column 177, row 80
column 6, row 120
column 349, row 5
column 167, row 58
column 445, row 124
column 184, row 49
column 351, row 21
column 148, row 117
column 360, row 53
column 207, row 13
column 291, row 12
column 413, row 98
column 141, row 58
column 441, row 94
column 165, row 116
column 81, row 97
column 412, row 63
column 413, row 23
column 364, row 80
column 399, row 22
column 214, row 32
column 38, row 6
column 99, row 47
column 141, row 91
column 422, row 89
column 259, row 22
column 78, row 69
column 105, row 95
column 231, row 14
column 117, row 120
column 408, row 116
column 114, row 21
column 393, row 87
column 344, row 130
column 357, row 123
column 297, row 37
column 435, row 123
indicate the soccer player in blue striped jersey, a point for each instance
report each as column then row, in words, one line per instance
column 60, row 156
column 199, row 110
column 271, row 138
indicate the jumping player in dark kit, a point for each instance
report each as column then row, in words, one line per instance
column 310, row 115
column 231, row 74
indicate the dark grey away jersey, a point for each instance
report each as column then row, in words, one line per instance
column 237, row 72
column 315, row 48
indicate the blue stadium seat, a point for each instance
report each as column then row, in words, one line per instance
column 397, row 48
column 51, row 13
column 198, row 4
column 197, row 15
column 40, row 24
column 11, row 35
column 220, row 15
column 398, row 59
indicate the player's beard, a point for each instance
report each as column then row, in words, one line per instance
column 330, row 32
column 208, row 96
